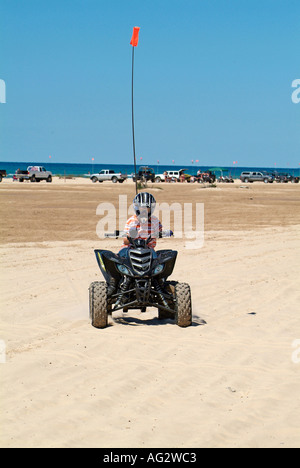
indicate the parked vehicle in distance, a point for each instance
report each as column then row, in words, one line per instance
column 262, row 176
column 175, row 176
column 205, row 177
column 226, row 179
column 34, row 174
column 146, row 174
column 108, row 174
column 281, row 177
column 2, row 174
column 21, row 175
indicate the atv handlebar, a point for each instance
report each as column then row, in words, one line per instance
column 160, row 235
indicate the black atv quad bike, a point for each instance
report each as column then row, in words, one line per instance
column 137, row 279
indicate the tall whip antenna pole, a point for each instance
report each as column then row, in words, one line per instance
column 134, row 42
column 132, row 119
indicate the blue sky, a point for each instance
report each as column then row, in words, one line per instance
column 213, row 81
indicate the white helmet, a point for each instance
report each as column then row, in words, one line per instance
column 144, row 200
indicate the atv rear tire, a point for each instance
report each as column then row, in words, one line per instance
column 183, row 305
column 98, row 304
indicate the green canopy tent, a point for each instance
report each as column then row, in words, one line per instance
column 218, row 169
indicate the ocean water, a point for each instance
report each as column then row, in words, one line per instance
column 85, row 170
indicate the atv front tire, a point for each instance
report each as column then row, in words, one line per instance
column 98, row 304
column 183, row 298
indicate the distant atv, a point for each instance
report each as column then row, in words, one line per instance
column 140, row 277
column 226, row 179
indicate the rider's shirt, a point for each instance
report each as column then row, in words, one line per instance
column 152, row 227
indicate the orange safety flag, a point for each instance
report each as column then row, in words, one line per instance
column 135, row 36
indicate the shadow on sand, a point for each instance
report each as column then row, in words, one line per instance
column 134, row 321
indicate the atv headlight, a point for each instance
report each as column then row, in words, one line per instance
column 158, row 269
column 123, row 269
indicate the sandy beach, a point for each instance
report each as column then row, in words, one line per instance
column 229, row 380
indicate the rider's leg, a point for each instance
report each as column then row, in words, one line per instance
column 112, row 284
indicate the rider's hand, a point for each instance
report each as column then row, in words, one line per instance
column 168, row 233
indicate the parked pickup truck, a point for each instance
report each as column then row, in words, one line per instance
column 34, row 174
column 2, row 174
column 263, row 176
column 108, row 174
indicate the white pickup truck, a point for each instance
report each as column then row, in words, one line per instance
column 108, row 174
column 34, row 174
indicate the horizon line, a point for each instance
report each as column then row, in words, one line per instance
column 93, row 163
